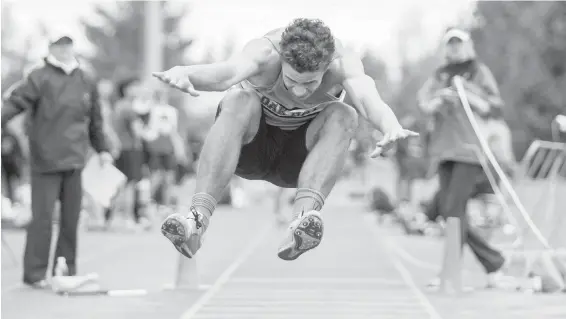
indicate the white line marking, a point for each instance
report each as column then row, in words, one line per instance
column 405, row 275
column 403, row 254
column 407, row 256
column 410, row 258
column 328, row 280
column 225, row 276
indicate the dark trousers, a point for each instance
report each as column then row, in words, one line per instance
column 8, row 179
column 46, row 189
column 459, row 182
column 137, row 206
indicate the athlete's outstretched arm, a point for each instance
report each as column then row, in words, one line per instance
column 361, row 89
column 363, row 93
column 219, row 76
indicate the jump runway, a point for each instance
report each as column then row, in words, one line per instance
column 347, row 276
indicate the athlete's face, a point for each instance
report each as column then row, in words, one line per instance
column 301, row 85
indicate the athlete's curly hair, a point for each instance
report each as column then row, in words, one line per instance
column 307, row 45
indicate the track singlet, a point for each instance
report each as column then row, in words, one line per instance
column 280, row 107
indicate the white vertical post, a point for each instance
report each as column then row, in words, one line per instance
column 186, row 275
column 451, row 274
column 153, row 40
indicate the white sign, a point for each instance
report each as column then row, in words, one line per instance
column 102, row 182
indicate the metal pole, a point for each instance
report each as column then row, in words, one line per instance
column 186, row 275
column 153, row 39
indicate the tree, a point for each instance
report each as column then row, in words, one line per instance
column 118, row 36
column 415, row 70
column 413, row 76
column 17, row 56
column 16, row 51
column 524, row 43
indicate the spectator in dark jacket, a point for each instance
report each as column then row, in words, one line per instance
column 453, row 143
column 61, row 103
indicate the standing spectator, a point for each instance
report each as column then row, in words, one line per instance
column 61, row 103
column 360, row 146
column 105, row 90
column 95, row 213
column 411, row 158
column 129, row 126
column 164, row 147
column 453, row 144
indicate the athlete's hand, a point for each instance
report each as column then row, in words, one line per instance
column 389, row 140
column 177, row 77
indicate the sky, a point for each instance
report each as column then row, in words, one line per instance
column 358, row 23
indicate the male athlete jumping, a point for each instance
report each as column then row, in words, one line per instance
column 283, row 120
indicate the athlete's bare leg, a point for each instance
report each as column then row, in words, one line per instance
column 328, row 138
column 236, row 125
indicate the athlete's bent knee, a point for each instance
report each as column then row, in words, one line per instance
column 341, row 118
column 240, row 105
column 241, row 110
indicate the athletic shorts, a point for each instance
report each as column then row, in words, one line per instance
column 274, row 155
column 161, row 162
column 130, row 163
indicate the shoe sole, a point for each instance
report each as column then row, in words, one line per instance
column 175, row 231
column 306, row 236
